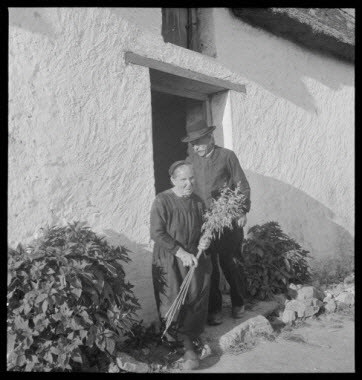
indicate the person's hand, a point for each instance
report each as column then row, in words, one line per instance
column 242, row 221
column 204, row 243
column 188, row 259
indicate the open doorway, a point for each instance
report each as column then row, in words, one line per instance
column 177, row 101
column 169, row 116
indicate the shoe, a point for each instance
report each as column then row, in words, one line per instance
column 189, row 361
column 238, row 311
column 214, row 319
column 206, row 352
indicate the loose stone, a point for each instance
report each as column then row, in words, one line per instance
column 289, row 316
column 129, row 364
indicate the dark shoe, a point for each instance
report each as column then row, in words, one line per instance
column 238, row 311
column 214, row 319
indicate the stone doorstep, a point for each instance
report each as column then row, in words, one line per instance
column 222, row 337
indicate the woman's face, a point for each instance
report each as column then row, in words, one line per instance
column 203, row 145
column 183, row 180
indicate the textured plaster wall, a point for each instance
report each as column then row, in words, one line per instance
column 80, row 132
column 80, row 127
column 294, row 134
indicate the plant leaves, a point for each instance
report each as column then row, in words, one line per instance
column 110, row 345
column 77, row 292
column 41, row 298
column 67, row 297
column 45, row 306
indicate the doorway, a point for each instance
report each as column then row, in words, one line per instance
column 177, row 101
column 170, row 113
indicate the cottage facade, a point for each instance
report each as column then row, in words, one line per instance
column 98, row 101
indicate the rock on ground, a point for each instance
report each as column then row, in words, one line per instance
column 256, row 326
column 129, row 364
column 331, row 305
column 346, row 297
column 337, row 290
column 289, row 316
column 303, row 308
column 307, row 292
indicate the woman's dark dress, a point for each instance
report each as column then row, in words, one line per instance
column 176, row 222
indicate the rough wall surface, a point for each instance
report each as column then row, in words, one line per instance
column 293, row 132
column 80, row 127
column 80, row 132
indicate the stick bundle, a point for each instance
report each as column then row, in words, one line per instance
column 181, row 296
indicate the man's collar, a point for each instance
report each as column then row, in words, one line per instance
column 211, row 152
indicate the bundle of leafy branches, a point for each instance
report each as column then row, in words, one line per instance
column 223, row 211
column 271, row 260
column 69, row 306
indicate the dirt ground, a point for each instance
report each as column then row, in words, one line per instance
column 319, row 344
column 325, row 344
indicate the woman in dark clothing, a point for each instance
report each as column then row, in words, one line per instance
column 176, row 220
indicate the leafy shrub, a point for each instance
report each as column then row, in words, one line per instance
column 140, row 336
column 270, row 260
column 69, row 305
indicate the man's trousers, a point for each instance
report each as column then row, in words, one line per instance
column 227, row 250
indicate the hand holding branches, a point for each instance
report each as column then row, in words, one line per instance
column 242, row 221
column 204, row 243
column 188, row 259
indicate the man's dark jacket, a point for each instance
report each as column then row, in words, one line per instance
column 221, row 168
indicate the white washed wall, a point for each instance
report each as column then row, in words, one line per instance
column 294, row 134
column 80, row 128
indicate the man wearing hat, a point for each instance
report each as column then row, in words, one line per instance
column 215, row 167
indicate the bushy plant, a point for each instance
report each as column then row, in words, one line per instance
column 69, row 305
column 271, row 260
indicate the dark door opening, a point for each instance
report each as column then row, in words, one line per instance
column 169, row 115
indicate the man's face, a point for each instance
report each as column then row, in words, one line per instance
column 203, row 145
column 183, row 180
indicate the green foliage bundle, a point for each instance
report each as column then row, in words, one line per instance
column 223, row 211
column 271, row 260
column 69, row 305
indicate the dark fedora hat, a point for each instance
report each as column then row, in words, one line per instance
column 197, row 129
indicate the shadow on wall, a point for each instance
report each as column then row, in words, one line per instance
column 138, row 273
column 309, row 222
column 268, row 61
column 31, row 19
column 313, row 225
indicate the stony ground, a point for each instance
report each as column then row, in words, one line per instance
column 324, row 344
column 311, row 329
